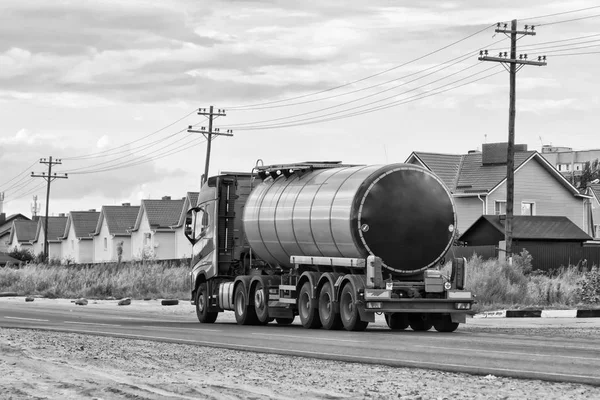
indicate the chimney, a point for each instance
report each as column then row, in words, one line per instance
column 125, row 204
column 61, row 214
column 2, row 218
column 92, row 209
column 166, row 198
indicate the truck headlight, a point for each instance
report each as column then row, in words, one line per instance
column 447, row 286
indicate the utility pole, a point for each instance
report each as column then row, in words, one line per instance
column 209, row 134
column 514, row 65
column 49, row 178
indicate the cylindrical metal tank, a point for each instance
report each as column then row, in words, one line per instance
column 400, row 212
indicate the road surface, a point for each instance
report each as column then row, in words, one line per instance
column 514, row 354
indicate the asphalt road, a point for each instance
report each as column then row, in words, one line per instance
column 514, row 355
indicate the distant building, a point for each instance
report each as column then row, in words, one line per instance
column 22, row 234
column 113, row 231
column 6, row 227
column 77, row 242
column 569, row 162
column 594, row 191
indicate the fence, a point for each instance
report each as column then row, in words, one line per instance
column 547, row 256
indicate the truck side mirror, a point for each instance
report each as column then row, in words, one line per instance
column 193, row 228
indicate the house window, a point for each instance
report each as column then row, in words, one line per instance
column 147, row 237
column 527, row 208
column 500, row 207
column 105, row 243
column 578, row 167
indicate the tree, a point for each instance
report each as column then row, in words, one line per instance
column 591, row 173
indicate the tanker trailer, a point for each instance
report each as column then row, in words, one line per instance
column 331, row 243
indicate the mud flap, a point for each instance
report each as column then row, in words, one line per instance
column 364, row 315
column 458, row 318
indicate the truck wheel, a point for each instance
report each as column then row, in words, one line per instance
column 244, row 313
column 396, row 321
column 202, row 312
column 309, row 315
column 419, row 322
column 261, row 303
column 284, row 321
column 349, row 312
column 329, row 318
column 444, row 324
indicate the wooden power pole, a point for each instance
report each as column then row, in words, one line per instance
column 209, row 134
column 49, row 178
column 514, row 65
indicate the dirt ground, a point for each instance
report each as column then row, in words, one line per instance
column 50, row 365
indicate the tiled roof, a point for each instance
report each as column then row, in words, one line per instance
column 163, row 213
column 25, row 230
column 7, row 224
column 596, row 190
column 120, row 219
column 56, row 227
column 533, row 227
column 193, row 197
column 84, row 222
column 467, row 173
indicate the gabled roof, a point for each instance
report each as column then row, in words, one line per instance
column 119, row 219
column 468, row 175
column 7, row 224
column 191, row 200
column 84, row 223
column 161, row 214
column 595, row 189
column 56, row 228
column 527, row 227
column 24, row 230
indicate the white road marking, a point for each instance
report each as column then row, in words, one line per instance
column 308, row 337
column 183, row 329
column 380, row 360
column 88, row 323
column 27, row 319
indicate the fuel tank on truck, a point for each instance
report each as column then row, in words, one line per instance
column 402, row 213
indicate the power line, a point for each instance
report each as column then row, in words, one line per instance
column 560, row 13
column 103, row 152
column 569, row 20
column 576, row 54
column 31, row 191
column 248, row 106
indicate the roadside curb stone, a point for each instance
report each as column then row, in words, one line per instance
column 539, row 313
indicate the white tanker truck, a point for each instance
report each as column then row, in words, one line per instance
column 332, row 243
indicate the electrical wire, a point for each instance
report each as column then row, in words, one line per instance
column 569, row 20
column 560, row 13
column 249, row 106
column 103, row 152
column 19, row 174
column 576, row 54
column 30, row 191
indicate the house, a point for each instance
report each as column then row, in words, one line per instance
column 184, row 248
column 594, row 192
column 552, row 241
column 477, row 181
column 113, row 232
column 5, row 228
column 22, row 234
column 77, row 242
column 56, row 228
column 158, row 230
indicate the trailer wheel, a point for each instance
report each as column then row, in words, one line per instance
column 349, row 312
column 397, row 321
column 309, row 315
column 330, row 319
column 244, row 313
column 261, row 303
column 202, row 312
column 284, row 321
column 444, row 324
column 420, row 322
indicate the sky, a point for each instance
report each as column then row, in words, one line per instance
column 110, row 87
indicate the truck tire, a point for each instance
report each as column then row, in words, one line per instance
column 330, row 319
column 309, row 315
column 397, row 321
column 444, row 324
column 202, row 312
column 244, row 313
column 349, row 312
column 419, row 322
column 261, row 306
